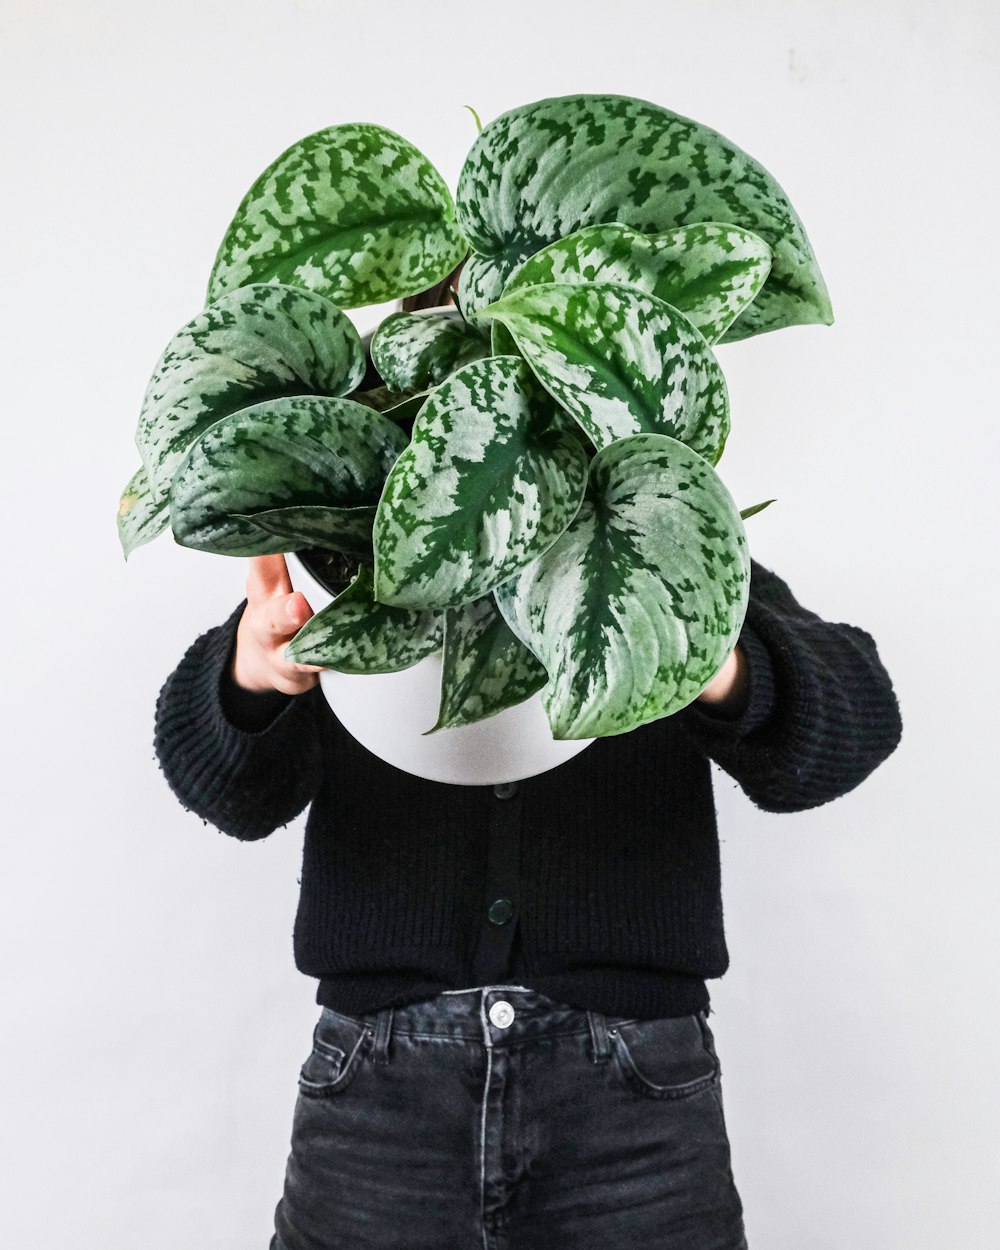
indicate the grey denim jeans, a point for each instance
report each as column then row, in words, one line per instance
column 495, row 1118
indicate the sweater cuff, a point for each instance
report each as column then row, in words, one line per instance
column 759, row 698
column 251, row 711
column 209, row 705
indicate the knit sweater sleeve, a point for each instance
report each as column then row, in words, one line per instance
column 246, row 776
column 819, row 714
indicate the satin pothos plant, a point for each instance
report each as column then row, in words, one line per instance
column 533, row 490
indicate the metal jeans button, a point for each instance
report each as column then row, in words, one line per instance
column 505, row 789
column 502, row 1014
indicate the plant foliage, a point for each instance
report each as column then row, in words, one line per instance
column 533, row 490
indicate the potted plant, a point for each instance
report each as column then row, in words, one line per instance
column 529, row 508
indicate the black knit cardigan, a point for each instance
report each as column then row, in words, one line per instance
column 596, row 883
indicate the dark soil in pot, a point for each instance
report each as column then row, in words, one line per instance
column 334, row 570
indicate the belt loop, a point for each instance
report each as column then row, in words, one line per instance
column 599, row 1036
column 382, row 1031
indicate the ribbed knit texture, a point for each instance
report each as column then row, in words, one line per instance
column 619, row 904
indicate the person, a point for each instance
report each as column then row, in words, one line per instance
column 513, row 1049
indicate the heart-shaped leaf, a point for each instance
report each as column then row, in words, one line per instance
column 139, row 519
column 544, row 170
column 636, row 606
column 288, row 452
column 420, row 349
column 354, row 212
column 355, row 634
column 485, row 667
column 709, row 271
column 492, row 475
column 256, row 343
column 620, row 361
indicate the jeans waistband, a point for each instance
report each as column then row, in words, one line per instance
column 496, row 1015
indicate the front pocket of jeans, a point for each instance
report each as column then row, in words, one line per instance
column 338, row 1045
column 672, row 1057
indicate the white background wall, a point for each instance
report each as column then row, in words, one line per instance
column 154, row 1022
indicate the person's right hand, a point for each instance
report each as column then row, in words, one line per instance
column 273, row 615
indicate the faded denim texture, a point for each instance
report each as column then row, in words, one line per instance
column 496, row 1118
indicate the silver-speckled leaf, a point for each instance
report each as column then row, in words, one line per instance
column 355, row 634
column 354, row 212
column 501, row 342
column 710, row 271
column 493, row 474
column 544, row 170
column 420, row 349
column 254, row 344
column 620, row 361
column 483, row 278
column 139, row 519
column 313, row 525
column 485, row 666
column 287, row 452
column 637, row 605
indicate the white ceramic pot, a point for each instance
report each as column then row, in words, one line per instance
column 389, row 712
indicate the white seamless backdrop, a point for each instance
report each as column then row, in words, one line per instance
column 154, row 1020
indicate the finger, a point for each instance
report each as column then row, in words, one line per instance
column 282, row 616
column 295, row 610
column 294, row 666
column 303, row 668
column 267, row 577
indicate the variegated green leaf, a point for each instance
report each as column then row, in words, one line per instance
column 544, row 170
column 312, row 525
column 485, row 667
column 354, row 212
column 139, row 519
column 501, row 341
column 254, row 344
column 493, row 473
column 757, row 507
column 483, row 278
column 634, row 609
column 709, row 271
column 356, row 634
column 620, row 361
column 420, row 349
column 287, row 452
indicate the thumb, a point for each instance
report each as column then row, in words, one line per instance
column 297, row 609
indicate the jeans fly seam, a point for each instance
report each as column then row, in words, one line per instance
column 486, row 1093
column 482, row 1164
